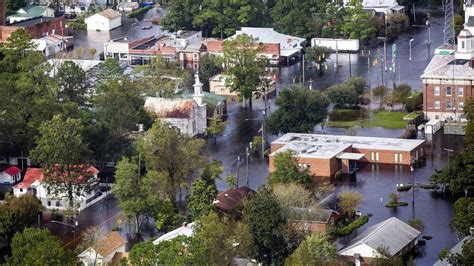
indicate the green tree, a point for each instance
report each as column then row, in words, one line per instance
column 13, row 5
column 358, row 84
column 414, row 102
column 294, row 17
column 342, row 95
column 469, row 111
column 63, row 155
column 245, row 66
column 464, row 216
column 286, row 170
column 72, row 83
column 349, row 201
column 180, row 15
column 109, row 70
column 171, row 252
column 208, row 67
column 175, row 156
column 201, row 198
column 272, row 237
column 381, row 92
column 318, row 54
column 465, row 257
column 17, row 214
column 317, row 249
column 299, row 111
column 458, row 22
column 401, row 93
column 358, row 23
column 216, row 127
column 456, row 176
column 38, row 245
column 329, row 19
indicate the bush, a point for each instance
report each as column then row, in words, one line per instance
column 409, row 134
column 404, row 188
column 57, row 215
column 343, row 231
column 414, row 102
column 417, row 224
column 392, row 204
column 139, row 11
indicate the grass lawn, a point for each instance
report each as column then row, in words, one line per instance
column 365, row 118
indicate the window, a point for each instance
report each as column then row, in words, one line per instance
column 449, row 105
column 460, row 105
column 372, row 156
column 462, row 44
column 58, row 204
column 460, row 92
column 398, row 157
column 21, row 190
column 437, row 104
column 49, row 203
column 376, row 156
column 436, row 91
column 448, row 91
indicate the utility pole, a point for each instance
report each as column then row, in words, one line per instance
column 336, row 64
column 303, row 71
column 350, row 66
column 247, row 162
column 238, row 169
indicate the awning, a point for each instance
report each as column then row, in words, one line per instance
column 289, row 52
column 398, row 8
column 350, row 156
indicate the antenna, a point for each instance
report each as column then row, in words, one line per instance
column 448, row 22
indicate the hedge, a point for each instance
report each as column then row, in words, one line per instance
column 139, row 11
column 396, row 204
column 343, row 231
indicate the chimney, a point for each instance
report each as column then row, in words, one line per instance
column 2, row 12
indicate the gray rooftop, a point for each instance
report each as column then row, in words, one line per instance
column 447, row 67
column 457, row 249
column 323, row 150
column 373, row 143
column 392, row 234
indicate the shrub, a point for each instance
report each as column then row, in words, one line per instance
column 392, row 204
column 404, row 188
column 417, row 224
column 57, row 216
column 343, row 231
column 139, row 11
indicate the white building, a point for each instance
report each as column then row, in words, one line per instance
column 33, row 183
column 10, row 175
column 103, row 251
column 188, row 116
column 393, row 234
column 30, row 12
column 469, row 15
column 380, row 6
column 104, row 21
column 51, row 44
column 128, row 6
column 186, row 230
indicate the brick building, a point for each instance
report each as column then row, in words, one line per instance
column 326, row 155
column 38, row 27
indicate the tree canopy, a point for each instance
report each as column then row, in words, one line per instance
column 286, row 170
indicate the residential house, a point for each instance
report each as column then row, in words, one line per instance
column 186, row 230
column 457, row 249
column 30, row 12
column 106, row 20
column 51, row 44
column 217, row 85
column 227, row 201
column 397, row 237
column 327, row 155
column 10, row 175
column 33, row 182
column 128, row 6
column 188, row 116
column 78, row 8
column 311, row 220
column 386, row 7
column 102, row 252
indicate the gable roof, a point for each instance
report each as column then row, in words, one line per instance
column 36, row 174
column 186, row 229
column 31, row 11
column 110, row 14
column 227, row 200
column 392, row 233
column 314, row 215
column 457, row 249
column 109, row 243
column 12, row 170
column 169, row 108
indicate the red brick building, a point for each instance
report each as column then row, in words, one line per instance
column 37, row 27
column 326, row 155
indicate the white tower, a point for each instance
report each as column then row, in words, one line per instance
column 197, row 96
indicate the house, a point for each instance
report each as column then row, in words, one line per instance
column 10, row 175
column 186, row 230
column 457, row 249
column 128, row 6
column 78, row 8
column 37, row 27
column 30, row 12
column 33, row 182
column 217, row 86
column 106, row 20
column 326, row 155
column 103, row 251
column 231, row 198
column 386, row 7
column 311, row 220
column 394, row 235
column 51, row 44
column 188, row 116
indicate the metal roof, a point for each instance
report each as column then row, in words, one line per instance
column 457, row 249
column 186, row 229
column 392, row 234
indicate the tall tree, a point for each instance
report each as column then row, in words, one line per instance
column 176, row 156
column 245, row 66
column 180, row 14
column 317, row 249
column 318, row 54
column 381, row 92
column 342, row 95
column 349, row 201
column 357, row 22
column 295, row 17
column 72, row 83
column 201, row 198
column 216, row 127
column 400, row 93
column 299, row 111
column 286, row 170
column 469, row 111
column 464, row 217
column 63, row 154
column 33, row 246
column 209, row 66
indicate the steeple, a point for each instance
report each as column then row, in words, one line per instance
column 197, row 96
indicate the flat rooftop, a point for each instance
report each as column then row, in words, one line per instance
column 322, row 150
column 373, row 143
column 31, row 22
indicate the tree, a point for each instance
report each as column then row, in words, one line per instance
column 380, row 92
column 201, row 198
column 139, row 197
column 299, row 111
column 414, row 102
column 357, row 22
column 401, row 93
column 469, row 111
column 349, row 201
column 72, row 83
column 231, row 181
column 358, row 84
column 17, row 214
column 176, row 157
column 292, row 195
column 38, row 245
column 456, row 175
column 109, row 70
column 342, row 95
column 245, row 66
column 317, row 249
column 294, row 17
column 318, row 54
column 286, row 170
column 394, row 197
column 330, row 19
column 464, row 216
column 216, row 127
column 458, row 22
column 63, row 154
column 268, row 225
column 13, row 5
column 465, row 257
column 170, row 252
column 180, row 14
column 208, row 67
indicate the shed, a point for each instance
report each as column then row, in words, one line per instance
column 104, row 21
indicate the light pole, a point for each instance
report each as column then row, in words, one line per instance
column 247, row 153
column 411, row 40
column 238, row 170
column 427, row 25
column 262, row 130
column 449, row 151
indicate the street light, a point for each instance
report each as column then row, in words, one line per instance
column 449, row 151
column 427, row 25
column 262, row 130
column 247, row 153
column 411, row 40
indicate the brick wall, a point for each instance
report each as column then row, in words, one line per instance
column 5, row 32
column 57, row 25
column 432, row 98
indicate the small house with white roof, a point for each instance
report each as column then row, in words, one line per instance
column 386, row 7
column 106, row 20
